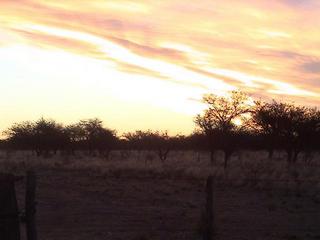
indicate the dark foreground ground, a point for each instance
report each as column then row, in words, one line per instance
column 78, row 205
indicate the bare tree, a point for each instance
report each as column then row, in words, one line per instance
column 218, row 121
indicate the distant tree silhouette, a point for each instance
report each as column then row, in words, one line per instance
column 159, row 142
column 44, row 136
column 48, row 135
column 287, row 126
column 41, row 136
column 197, row 141
column 137, row 140
column 3, row 144
column 266, row 120
column 301, row 129
column 218, row 121
column 96, row 137
column 310, row 130
column 229, row 123
column 77, row 137
column 20, row 136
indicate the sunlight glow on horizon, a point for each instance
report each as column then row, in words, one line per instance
column 151, row 62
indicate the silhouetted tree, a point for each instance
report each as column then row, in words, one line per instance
column 266, row 120
column 303, row 130
column 197, row 141
column 228, row 123
column 41, row 136
column 96, row 137
column 48, row 135
column 287, row 126
column 3, row 144
column 218, row 121
column 20, row 136
column 137, row 141
column 77, row 137
column 159, row 142
column 162, row 143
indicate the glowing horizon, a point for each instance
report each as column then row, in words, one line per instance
column 146, row 65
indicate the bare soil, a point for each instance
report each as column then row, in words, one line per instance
column 82, row 205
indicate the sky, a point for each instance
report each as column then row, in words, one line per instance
column 146, row 64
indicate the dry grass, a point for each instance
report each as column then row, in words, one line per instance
column 245, row 168
column 253, row 187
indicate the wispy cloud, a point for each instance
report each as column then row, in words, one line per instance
column 267, row 48
column 312, row 66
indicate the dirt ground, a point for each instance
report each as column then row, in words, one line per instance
column 80, row 205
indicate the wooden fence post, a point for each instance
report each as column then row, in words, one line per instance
column 9, row 214
column 208, row 234
column 30, row 206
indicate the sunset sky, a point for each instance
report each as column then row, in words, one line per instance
column 146, row 64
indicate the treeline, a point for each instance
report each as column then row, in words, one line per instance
column 228, row 124
column 238, row 122
column 46, row 136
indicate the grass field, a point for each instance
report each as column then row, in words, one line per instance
column 136, row 196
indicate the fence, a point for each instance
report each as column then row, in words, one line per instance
column 10, row 216
column 209, row 214
column 214, row 222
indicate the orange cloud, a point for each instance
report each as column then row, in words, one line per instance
column 267, row 48
column 54, row 42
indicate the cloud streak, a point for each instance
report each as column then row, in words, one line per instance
column 267, row 48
